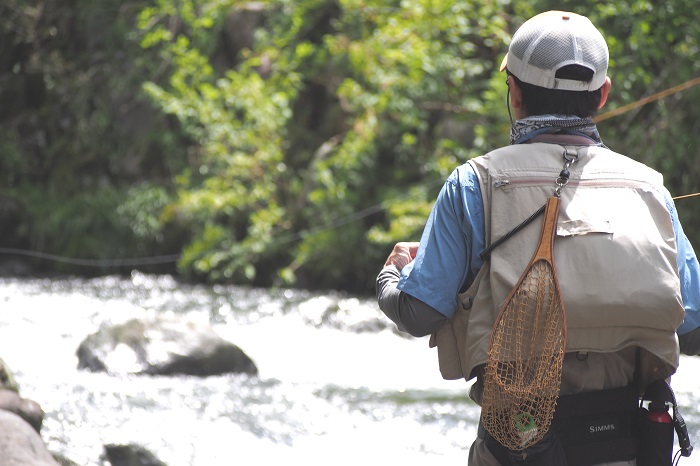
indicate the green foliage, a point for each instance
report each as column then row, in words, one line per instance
column 142, row 211
column 290, row 142
column 76, row 133
column 230, row 194
column 334, row 126
column 333, row 108
column 56, row 222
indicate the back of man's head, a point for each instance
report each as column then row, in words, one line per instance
column 560, row 61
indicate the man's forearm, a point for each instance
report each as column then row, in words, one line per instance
column 410, row 314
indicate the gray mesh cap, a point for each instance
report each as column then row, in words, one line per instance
column 549, row 41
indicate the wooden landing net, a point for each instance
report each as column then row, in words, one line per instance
column 526, row 351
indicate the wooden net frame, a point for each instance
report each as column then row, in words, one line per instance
column 526, row 350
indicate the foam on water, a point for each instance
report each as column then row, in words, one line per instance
column 324, row 393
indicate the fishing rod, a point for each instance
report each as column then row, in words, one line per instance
column 686, row 195
column 645, row 100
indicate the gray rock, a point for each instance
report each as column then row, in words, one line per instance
column 7, row 380
column 20, row 444
column 162, row 346
column 64, row 460
column 28, row 410
column 131, row 455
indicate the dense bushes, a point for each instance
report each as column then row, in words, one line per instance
column 287, row 142
column 78, row 137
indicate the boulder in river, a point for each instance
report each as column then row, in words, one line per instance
column 7, row 379
column 130, row 455
column 20, row 444
column 162, row 346
column 29, row 410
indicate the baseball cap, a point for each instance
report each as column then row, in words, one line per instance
column 554, row 39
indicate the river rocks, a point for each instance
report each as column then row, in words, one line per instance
column 28, row 410
column 20, row 424
column 20, row 444
column 162, row 346
column 7, row 380
column 130, row 455
column 11, row 401
column 347, row 314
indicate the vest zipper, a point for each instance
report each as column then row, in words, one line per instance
column 504, row 183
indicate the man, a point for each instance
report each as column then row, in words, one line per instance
column 629, row 278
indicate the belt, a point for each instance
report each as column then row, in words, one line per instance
column 593, row 427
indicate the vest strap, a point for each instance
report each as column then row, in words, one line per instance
column 487, row 252
column 661, row 391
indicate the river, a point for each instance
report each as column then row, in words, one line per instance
column 333, row 387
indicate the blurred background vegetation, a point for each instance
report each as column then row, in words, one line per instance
column 287, row 143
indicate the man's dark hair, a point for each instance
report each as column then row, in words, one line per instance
column 542, row 101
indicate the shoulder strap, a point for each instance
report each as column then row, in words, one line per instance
column 487, row 252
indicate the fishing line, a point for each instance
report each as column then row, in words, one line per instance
column 172, row 258
column 93, row 262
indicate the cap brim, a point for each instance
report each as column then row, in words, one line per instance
column 504, row 63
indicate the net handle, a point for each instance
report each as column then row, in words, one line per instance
column 545, row 248
column 544, row 251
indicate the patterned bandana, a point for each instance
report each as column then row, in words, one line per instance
column 523, row 130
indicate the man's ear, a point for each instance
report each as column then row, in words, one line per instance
column 604, row 91
column 516, row 98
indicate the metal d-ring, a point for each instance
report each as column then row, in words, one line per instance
column 563, row 179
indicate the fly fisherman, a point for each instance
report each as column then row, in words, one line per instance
column 629, row 278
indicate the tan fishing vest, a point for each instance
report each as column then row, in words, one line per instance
column 615, row 255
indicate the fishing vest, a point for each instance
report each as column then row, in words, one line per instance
column 615, row 255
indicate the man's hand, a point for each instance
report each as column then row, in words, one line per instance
column 402, row 254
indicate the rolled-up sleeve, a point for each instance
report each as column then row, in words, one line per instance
column 448, row 255
column 410, row 314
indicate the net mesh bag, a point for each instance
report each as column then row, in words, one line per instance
column 526, row 350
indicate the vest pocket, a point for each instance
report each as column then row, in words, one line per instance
column 451, row 339
column 448, row 346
